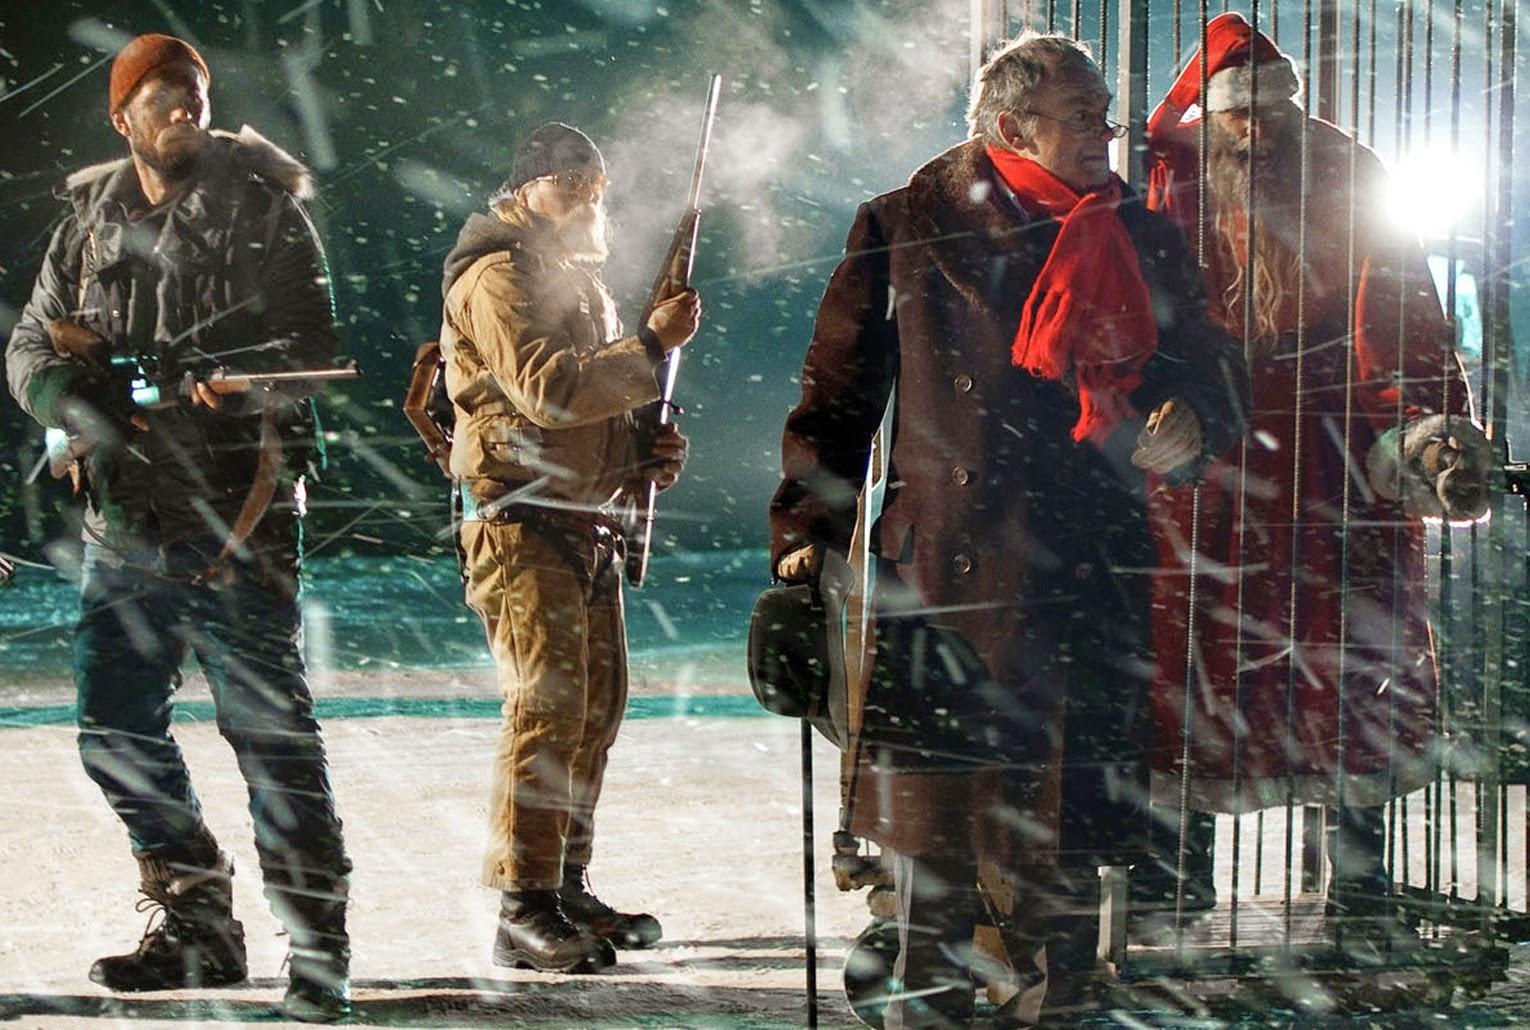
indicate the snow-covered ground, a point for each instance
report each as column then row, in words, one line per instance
column 700, row 824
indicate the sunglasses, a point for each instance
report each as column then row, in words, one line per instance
column 583, row 183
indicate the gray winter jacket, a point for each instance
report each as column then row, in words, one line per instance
column 235, row 276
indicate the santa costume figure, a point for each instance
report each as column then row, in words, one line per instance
column 1313, row 665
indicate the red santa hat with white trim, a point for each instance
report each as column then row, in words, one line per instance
column 1240, row 63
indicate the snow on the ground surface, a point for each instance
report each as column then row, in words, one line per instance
column 700, row 824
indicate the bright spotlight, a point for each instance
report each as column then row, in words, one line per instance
column 1430, row 193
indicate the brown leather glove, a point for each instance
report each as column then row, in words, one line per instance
column 72, row 340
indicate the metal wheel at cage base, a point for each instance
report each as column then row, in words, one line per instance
column 868, row 970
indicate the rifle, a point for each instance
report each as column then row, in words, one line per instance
column 674, row 277
column 151, row 386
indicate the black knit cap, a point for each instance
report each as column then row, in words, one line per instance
column 550, row 149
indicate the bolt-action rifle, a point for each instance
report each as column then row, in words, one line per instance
column 674, row 277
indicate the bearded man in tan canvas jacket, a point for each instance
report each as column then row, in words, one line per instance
column 544, row 389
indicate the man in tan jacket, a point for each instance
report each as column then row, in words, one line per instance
column 544, row 389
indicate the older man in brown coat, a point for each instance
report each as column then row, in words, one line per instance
column 1023, row 312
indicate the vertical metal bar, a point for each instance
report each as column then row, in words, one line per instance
column 1104, row 34
column 1259, row 851
column 1502, row 865
column 989, row 23
column 1297, row 414
column 1328, row 60
column 1445, row 632
column 1078, row 19
column 1429, row 850
column 1370, row 137
column 1496, row 357
column 1352, row 281
column 1174, row 63
column 1187, row 727
column 1312, row 847
column 1402, row 130
column 1131, row 89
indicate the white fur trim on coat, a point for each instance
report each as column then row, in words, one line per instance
column 260, row 155
column 1229, row 89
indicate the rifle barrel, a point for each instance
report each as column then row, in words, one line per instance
column 293, row 376
column 709, row 115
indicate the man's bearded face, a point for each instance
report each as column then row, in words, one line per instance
column 1266, row 145
column 165, row 121
column 581, row 232
column 574, row 203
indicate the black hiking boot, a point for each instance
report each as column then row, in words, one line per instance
column 193, row 939
column 319, row 952
column 589, row 913
column 534, row 933
column 318, row 988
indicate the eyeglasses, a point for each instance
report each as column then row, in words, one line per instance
column 586, row 184
column 1086, row 124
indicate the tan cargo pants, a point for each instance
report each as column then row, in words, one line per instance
column 561, row 651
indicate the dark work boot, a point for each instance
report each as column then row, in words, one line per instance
column 589, row 913
column 197, row 942
column 318, row 985
column 534, row 933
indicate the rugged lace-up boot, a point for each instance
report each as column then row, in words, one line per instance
column 534, row 933
column 586, row 911
column 318, row 986
column 319, row 955
column 193, row 939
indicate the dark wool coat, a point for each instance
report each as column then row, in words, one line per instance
column 236, row 273
column 1008, row 697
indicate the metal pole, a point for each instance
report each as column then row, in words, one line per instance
column 1328, row 61
column 809, row 898
column 990, row 23
column 1131, row 89
column 1496, row 356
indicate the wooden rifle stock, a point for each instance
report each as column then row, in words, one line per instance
column 674, row 277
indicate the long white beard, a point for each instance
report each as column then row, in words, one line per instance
column 583, row 240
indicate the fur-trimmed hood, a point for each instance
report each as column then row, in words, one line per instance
column 260, row 156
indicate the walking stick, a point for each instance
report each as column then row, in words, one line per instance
column 809, row 908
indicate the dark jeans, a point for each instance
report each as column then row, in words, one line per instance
column 139, row 617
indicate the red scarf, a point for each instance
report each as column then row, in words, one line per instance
column 1089, row 312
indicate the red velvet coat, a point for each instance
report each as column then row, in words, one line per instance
column 1276, row 721
column 1008, row 695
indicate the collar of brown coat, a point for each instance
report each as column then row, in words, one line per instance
column 979, row 238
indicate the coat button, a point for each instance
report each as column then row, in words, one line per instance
column 960, row 476
column 961, row 564
column 963, row 383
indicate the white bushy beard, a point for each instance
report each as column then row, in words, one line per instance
column 582, row 234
